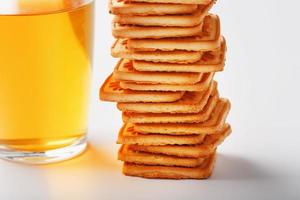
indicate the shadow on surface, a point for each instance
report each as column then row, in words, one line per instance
column 78, row 178
column 93, row 158
column 82, row 176
column 238, row 168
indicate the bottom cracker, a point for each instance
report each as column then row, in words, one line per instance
column 155, row 172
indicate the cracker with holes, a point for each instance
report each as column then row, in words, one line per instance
column 191, row 102
column 120, row 50
column 170, row 172
column 203, row 115
column 213, row 124
column 211, row 61
column 128, row 135
column 130, row 31
column 111, row 91
column 126, row 154
column 124, row 71
column 203, row 84
column 207, row 147
column 182, row 20
column 123, row 7
column 209, row 38
column 197, row 2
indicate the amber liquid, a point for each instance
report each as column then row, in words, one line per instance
column 45, row 75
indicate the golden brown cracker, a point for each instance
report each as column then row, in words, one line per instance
column 111, row 91
column 203, row 115
column 130, row 31
column 128, row 135
column 211, row 61
column 208, row 39
column 207, row 147
column 125, row 72
column 191, row 102
column 182, row 20
column 167, row 172
column 213, row 124
column 121, row 7
column 126, row 154
column 120, row 50
column 203, row 84
column 175, row 1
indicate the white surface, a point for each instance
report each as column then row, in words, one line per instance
column 261, row 158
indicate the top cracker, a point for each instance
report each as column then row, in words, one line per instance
column 174, row 1
column 183, row 20
column 121, row 7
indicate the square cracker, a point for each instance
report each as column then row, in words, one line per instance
column 111, row 91
column 120, row 50
column 191, row 102
column 124, row 71
column 207, row 147
column 212, row 125
column 121, row 7
column 126, row 154
column 203, row 115
column 203, row 84
column 167, row 172
column 174, row 1
column 181, row 20
column 128, row 135
column 211, row 61
column 130, row 31
column 209, row 38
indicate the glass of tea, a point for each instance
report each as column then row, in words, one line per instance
column 45, row 77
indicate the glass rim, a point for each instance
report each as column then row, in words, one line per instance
column 40, row 7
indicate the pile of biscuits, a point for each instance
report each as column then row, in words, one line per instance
column 164, row 85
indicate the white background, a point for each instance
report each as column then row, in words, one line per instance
column 261, row 158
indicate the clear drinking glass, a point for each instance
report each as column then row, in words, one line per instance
column 45, row 76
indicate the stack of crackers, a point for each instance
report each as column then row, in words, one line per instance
column 174, row 118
